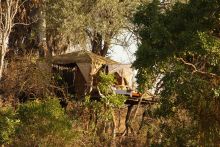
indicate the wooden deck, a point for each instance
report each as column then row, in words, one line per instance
column 136, row 100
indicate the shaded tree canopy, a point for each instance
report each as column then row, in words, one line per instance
column 92, row 23
column 88, row 24
column 180, row 48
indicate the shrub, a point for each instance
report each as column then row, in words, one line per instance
column 43, row 123
column 8, row 124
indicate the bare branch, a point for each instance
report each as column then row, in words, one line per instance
column 22, row 3
column 195, row 69
column 187, row 63
column 25, row 24
column 15, row 9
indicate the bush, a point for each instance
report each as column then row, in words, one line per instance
column 27, row 77
column 8, row 124
column 43, row 124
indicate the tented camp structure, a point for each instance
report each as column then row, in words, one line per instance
column 79, row 70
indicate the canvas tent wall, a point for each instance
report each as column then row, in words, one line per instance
column 123, row 71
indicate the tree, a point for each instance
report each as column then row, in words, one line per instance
column 93, row 23
column 180, row 47
column 8, row 10
column 103, row 110
column 30, row 35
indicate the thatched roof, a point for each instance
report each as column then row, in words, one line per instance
column 81, row 57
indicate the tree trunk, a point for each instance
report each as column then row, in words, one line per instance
column 42, row 42
column 50, row 45
column 113, row 144
column 143, row 120
column 105, row 48
column 8, row 10
column 119, row 119
column 100, row 44
column 3, row 52
column 3, row 48
column 148, row 139
column 113, row 125
column 127, row 121
column 97, row 43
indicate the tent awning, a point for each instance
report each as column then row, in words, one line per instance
column 81, row 57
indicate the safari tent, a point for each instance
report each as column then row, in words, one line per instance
column 79, row 71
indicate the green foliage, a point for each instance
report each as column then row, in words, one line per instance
column 8, row 124
column 106, row 81
column 43, row 123
column 115, row 100
column 181, row 46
